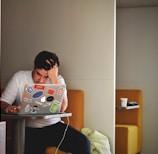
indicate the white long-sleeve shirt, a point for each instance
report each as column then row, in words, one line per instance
column 13, row 93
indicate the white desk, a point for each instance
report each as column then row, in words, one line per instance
column 19, row 138
column 127, row 107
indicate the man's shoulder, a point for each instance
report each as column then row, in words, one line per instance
column 23, row 73
column 23, row 77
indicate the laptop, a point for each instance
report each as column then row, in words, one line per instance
column 42, row 98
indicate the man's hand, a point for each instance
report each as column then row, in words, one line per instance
column 12, row 109
column 53, row 72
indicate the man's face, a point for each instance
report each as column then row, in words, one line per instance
column 40, row 76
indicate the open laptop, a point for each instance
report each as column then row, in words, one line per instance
column 42, row 98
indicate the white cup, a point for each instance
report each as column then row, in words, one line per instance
column 123, row 102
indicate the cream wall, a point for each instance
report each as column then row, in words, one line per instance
column 82, row 33
column 137, row 62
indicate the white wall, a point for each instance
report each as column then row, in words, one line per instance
column 82, row 33
column 137, row 62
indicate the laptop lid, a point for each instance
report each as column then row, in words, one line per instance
column 42, row 98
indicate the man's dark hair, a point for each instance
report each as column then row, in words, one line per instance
column 46, row 60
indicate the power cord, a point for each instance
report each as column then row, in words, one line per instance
column 57, row 148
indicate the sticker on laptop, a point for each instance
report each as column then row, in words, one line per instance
column 54, row 107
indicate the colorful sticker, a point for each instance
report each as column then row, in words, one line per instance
column 55, row 106
column 50, row 98
column 60, row 91
column 27, row 108
column 29, row 89
column 46, row 104
column 40, row 87
column 39, row 103
column 34, row 109
column 51, row 91
column 37, row 94
column 26, row 100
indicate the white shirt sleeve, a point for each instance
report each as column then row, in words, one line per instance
column 10, row 92
column 14, row 89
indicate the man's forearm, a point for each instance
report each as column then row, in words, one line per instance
column 8, row 108
column 4, row 105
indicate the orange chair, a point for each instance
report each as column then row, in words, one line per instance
column 128, row 128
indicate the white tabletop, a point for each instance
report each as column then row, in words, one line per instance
column 34, row 116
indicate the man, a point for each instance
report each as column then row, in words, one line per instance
column 41, row 133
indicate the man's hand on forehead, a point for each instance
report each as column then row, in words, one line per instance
column 50, row 62
column 53, row 72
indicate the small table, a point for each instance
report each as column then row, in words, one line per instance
column 127, row 107
column 19, row 139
